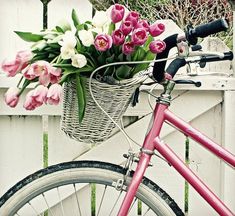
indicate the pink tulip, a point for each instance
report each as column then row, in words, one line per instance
column 11, row 67
column 157, row 46
column 117, row 13
column 29, row 103
column 24, row 56
column 103, row 42
column 139, row 36
column 19, row 63
column 12, row 96
column 128, row 48
column 118, row 37
column 133, row 16
column 126, row 27
column 39, row 95
column 41, row 69
column 143, row 24
column 55, row 75
column 156, row 29
column 54, row 94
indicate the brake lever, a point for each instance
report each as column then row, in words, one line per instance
column 196, row 83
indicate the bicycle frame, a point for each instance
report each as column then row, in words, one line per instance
column 153, row 142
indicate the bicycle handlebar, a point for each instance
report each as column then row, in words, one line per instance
column 191, row 36
column 180, row 62
column 205, row 30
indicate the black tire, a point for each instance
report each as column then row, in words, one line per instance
column 62, row 176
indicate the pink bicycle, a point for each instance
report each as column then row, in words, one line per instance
column 52, row 191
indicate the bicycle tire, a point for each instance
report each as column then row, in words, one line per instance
column 44, row 181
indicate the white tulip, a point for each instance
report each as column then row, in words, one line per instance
column 100, row 19
column 86, row 37
column 67, row 52
column 68, row 40
column 79, row 60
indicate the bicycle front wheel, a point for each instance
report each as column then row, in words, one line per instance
column 83, row 188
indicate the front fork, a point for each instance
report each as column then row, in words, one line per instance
column 148, row 147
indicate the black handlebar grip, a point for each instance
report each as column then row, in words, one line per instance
column 213, row 58
column 159, row 67
column 175, row 65
column 205, row 30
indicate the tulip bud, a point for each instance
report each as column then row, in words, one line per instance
column 103, row 42
column 156, row 29
column 12, row 96
column 117, row 13
column 126, row 27
column 79, row 61
column 54, row 94
column 143, row 24
column 128, row 48
column 29, row 103
column 133, row 17
column 157, row 46
column 39, row 95
column 139, row 36
column 118, row 37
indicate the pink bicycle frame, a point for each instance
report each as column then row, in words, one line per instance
column 152, row 142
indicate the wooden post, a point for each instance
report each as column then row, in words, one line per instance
column 232, row 3
column 228, row 187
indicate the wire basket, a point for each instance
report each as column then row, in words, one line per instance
column 96, row 126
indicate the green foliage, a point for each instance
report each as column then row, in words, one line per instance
column 29, row 37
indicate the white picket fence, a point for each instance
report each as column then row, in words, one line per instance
column 209, row 108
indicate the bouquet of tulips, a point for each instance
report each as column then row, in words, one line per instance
column 68, row 53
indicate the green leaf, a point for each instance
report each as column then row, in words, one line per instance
column 29, row 37
column 25, row 84
column 109, row 71
column 123, row 72
column 146, row 45
column 121, row 57
column 75, row 18
column 111, row 28
column 70, row 70
column 81, row 96
column 63, row 26
column 110, row 59
column 139, row 54
column 149, row 56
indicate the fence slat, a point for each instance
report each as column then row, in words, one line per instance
column 20, row 152
column 60, row 147
column 60, row 10
column 17, row 15
column 205, row 164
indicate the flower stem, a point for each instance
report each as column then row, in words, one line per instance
column 20, row 81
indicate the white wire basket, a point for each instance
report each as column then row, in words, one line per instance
column 97, row 125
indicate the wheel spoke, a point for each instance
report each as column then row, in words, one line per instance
column 48, row 207
column 61, row 202
column 132, row 205
column 82, row 188
column 35, row 211
column 78, row 205
column 102, row 199
column 146, row 212
column 115, row 203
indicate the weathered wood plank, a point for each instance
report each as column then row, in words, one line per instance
column 20, row 152
column 204, row 164
column 17, row 15
column 228, row 128
column 60, row 147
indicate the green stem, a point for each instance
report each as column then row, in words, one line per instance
column 18, row 85
column 26, row 83
column 186, row 185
